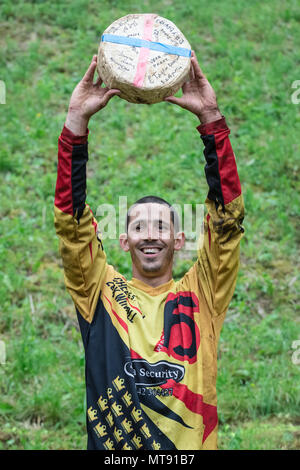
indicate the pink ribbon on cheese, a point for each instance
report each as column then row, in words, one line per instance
column 144, row 52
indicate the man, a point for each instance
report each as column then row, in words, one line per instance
column 150, row 343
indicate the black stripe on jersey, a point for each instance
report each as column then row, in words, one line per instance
column 105, row 356
column 152, row 402
column 79, row 161
column 212, row 170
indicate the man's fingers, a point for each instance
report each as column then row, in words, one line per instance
column 192, row 73
column 89, row 74
column 109, row 94
column 196, row 67
column 174, row 100
column 113, row 92
column 99, row 81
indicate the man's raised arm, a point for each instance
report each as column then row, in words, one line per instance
column 218, row 257
column 83, row 257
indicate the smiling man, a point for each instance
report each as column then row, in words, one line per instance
column 152, row 238
column 150, row 342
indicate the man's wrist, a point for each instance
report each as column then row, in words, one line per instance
column 76, row 122
column 209, row 116
column 213, row 127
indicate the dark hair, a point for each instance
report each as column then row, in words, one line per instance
column 156, row 200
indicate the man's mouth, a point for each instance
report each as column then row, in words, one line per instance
column 150, row 252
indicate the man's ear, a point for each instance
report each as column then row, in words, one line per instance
column 179, row 241
column 123, row 239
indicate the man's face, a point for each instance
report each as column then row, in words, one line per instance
column 150, row 239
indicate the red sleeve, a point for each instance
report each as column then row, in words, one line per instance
column 71, row 172
column 221, row 170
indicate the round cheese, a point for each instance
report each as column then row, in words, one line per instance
column 145, row 56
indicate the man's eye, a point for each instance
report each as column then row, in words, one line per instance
column 139, row 227
column 162, row 226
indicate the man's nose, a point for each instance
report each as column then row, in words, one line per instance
column 152, row 233
column 149, row 232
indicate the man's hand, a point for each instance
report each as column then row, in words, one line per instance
column 198, row 95
column 87, row 99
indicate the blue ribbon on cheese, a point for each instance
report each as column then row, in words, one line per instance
column 154, row 46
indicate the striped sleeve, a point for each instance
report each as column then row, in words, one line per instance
column 84, row 260
column 218, row 256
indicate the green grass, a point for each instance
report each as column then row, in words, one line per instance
column 250, row 53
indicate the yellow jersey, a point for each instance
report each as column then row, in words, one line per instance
column 151, row 353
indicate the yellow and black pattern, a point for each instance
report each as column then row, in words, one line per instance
column 151, row 353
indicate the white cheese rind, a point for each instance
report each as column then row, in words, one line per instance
column 119, row 64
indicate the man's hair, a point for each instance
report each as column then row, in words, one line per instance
column 155, row 200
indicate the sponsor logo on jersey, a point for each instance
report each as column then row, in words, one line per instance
column 154, row 374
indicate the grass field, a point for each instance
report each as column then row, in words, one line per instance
column 250, row 53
